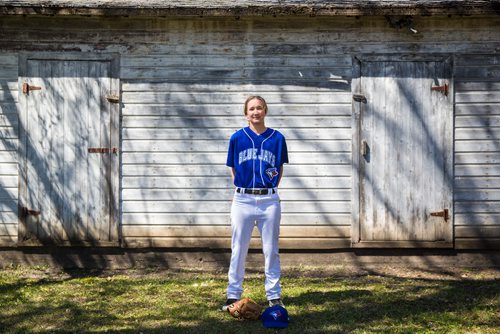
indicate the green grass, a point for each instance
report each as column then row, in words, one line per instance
column 39, row 300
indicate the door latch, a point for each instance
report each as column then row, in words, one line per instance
column 445, row 214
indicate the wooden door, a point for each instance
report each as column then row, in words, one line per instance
column 405, row 153
column 68, row 182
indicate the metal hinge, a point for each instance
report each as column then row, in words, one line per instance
column 445, row 214
column 29, row 212
column 103, row 150
column 359, row 98
column 113, row 98
column 27, row 88
column 443, row 89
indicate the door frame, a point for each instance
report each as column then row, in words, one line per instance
column 24, row 234
column 358, row 99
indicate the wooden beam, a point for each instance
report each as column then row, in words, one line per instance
column 225, row 243
column 239, row 8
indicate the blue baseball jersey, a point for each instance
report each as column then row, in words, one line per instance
column 257, row 159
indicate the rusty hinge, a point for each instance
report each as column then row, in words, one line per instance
column 103, row 150
column 443, row 89
column 445, row 214
column 27, row 88
column 28, row 212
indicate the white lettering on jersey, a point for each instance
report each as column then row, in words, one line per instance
column 251, row 154
column 248, row 154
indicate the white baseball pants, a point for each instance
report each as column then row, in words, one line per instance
column 246, row 212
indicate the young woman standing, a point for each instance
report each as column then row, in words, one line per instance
column 256, row 156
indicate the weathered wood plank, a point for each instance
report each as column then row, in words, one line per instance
column 9, row 108
column 222, row 170
column 477, row 170
column 8, row 59
column 230, row 122
column 225, row 134
column 330, row 61
column 341, row 182
column 484, row 86
column 209, row 158
column 472, row 219
column 9, row 145
column 255, row 243
column 471, row 243
column 8, row 230
column 8, row 96
column 302, row 73
column 477, row 134
column 8, row 241
column 9, row 132
column 8, row 181
column 214, row 97
column 8, row 120
column 223, row 219
column 8, row 169
column 483, row 232
column 236, row 109
column 221, row 146
column 477, row 146
column 478, row 195
column 260, row 87
column 8, row 194
column 8, row 218
column 477, row 158
column 9, row 71
column 478, row 72
column 477, row 121
column 8, row 156
column 319, row 207
column 477, row 182
column 478, row 97
column 227, row 194
column 478, row 207
column 159, row 231
column 468, row 60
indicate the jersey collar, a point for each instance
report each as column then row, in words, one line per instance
column 264, row 134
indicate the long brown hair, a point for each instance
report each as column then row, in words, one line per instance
column 250, row 98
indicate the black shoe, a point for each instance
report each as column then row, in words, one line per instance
column 228, row 302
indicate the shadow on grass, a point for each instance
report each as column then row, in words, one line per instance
column 329, row 305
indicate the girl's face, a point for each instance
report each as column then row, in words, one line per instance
column 256, row 112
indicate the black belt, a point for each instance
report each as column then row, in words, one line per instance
column 264, row 191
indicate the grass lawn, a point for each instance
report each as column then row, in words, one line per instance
column 41, row 300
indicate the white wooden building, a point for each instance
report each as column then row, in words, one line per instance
column 115, row 118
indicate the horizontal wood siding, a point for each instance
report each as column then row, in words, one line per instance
column 179, row 111
column 9, row 122
column 477, row 151
column 184, row 80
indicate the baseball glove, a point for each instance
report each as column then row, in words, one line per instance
column 245, row 308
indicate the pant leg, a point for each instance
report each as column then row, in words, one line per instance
column 269, row 228
column 242, row 224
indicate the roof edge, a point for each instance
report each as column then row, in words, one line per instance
column 354, row 8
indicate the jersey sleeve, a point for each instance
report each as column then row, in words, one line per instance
column 284, row 152
column 230, row 153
